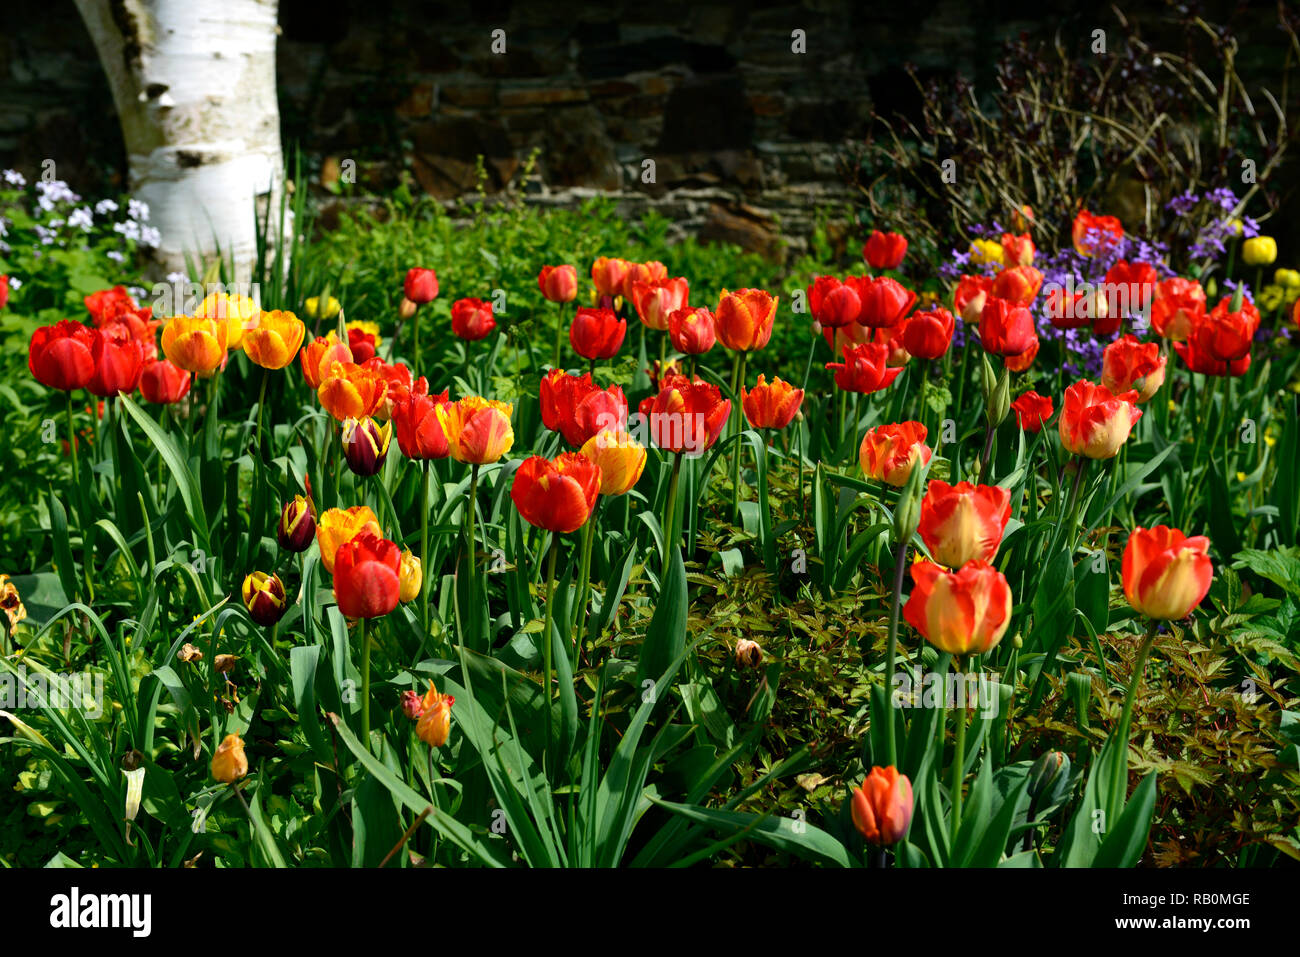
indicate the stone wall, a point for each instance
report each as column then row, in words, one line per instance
column 745, row 133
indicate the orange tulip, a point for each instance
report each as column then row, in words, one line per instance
column 229, row 763
column 274, row 341
column 658, row 299
column 771, row 406
column 1126, row 365
column 1023, row 361
column 1094, row 422
column 608, row 275
column 963, row 612
column 338, row 526
column 620, row 458
column 1165, row 573
column 320, row 355
column 558, row 494
column 478, row 430
column 744, row 319
column 1178, row 306
column 882, row 806
column 963, row 523
column 434, row 723
column 686, row 416
column 889, row 452
column 558, row 283
column 1019, row 284
column 640, row 272
column 1017, row 250
column 350, row 391
column 195, row 344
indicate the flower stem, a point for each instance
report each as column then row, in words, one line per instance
column 900, row 565
column 670, row 513
column 81, row 502
column 740, row 424
column 424, row 546
column 471, row 550
column 365, row 683
column 1139, row 666
column 546, row 633
column 584, row 576
column 959, row 753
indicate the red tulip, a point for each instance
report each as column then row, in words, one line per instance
column 578, row 409
column 1032, row 410
column 163, row 383
column 686, row 416
column 556, row 495
column 4, row 291
column 692, row 331
column 884, row 302
column 558, row 283
column 833, row 303
column 1178, row 306
column 865, row 369
column 884, row 250
column 119, row 360
column 970, row 296
column 1075, row 308
column 1006, row 329
column 928, row 334
column 1127, row 364
column 362, row 344
column 744, row 318
column 367, row 576
column 1094, row 422
column 1129, row 287
column 472, row 319
column 60, row 356
column 1227, row 335
column 1023, row 361
column 1165, row 573
column 597, row 333
column 421, row 286
column 415, row 417
column 1200, row 357
column 1092, row 234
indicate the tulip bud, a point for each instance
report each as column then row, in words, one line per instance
column 410, row 577
column 407, row 309
column 412, row 706
column 907, row 511
column 748, row 654
column 229, row 763
column 264, row 598
column 365, row 444
column 1048, row 779
column 1238, row 298
column 297, row 528
column 1001, row 403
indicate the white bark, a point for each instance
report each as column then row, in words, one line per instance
column 194, row 86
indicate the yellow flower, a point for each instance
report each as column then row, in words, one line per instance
column 274, row 341
column 410, row 578
column 328, row 311
column 1259, row 251
column 1287, row 278
column 239, row 313
column 337, row 526
column 985, row 251
column 196, row 344
column 1270, row 297
column 369, row 328
column 11, row 602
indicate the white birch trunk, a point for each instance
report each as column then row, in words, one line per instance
column 194, row 86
